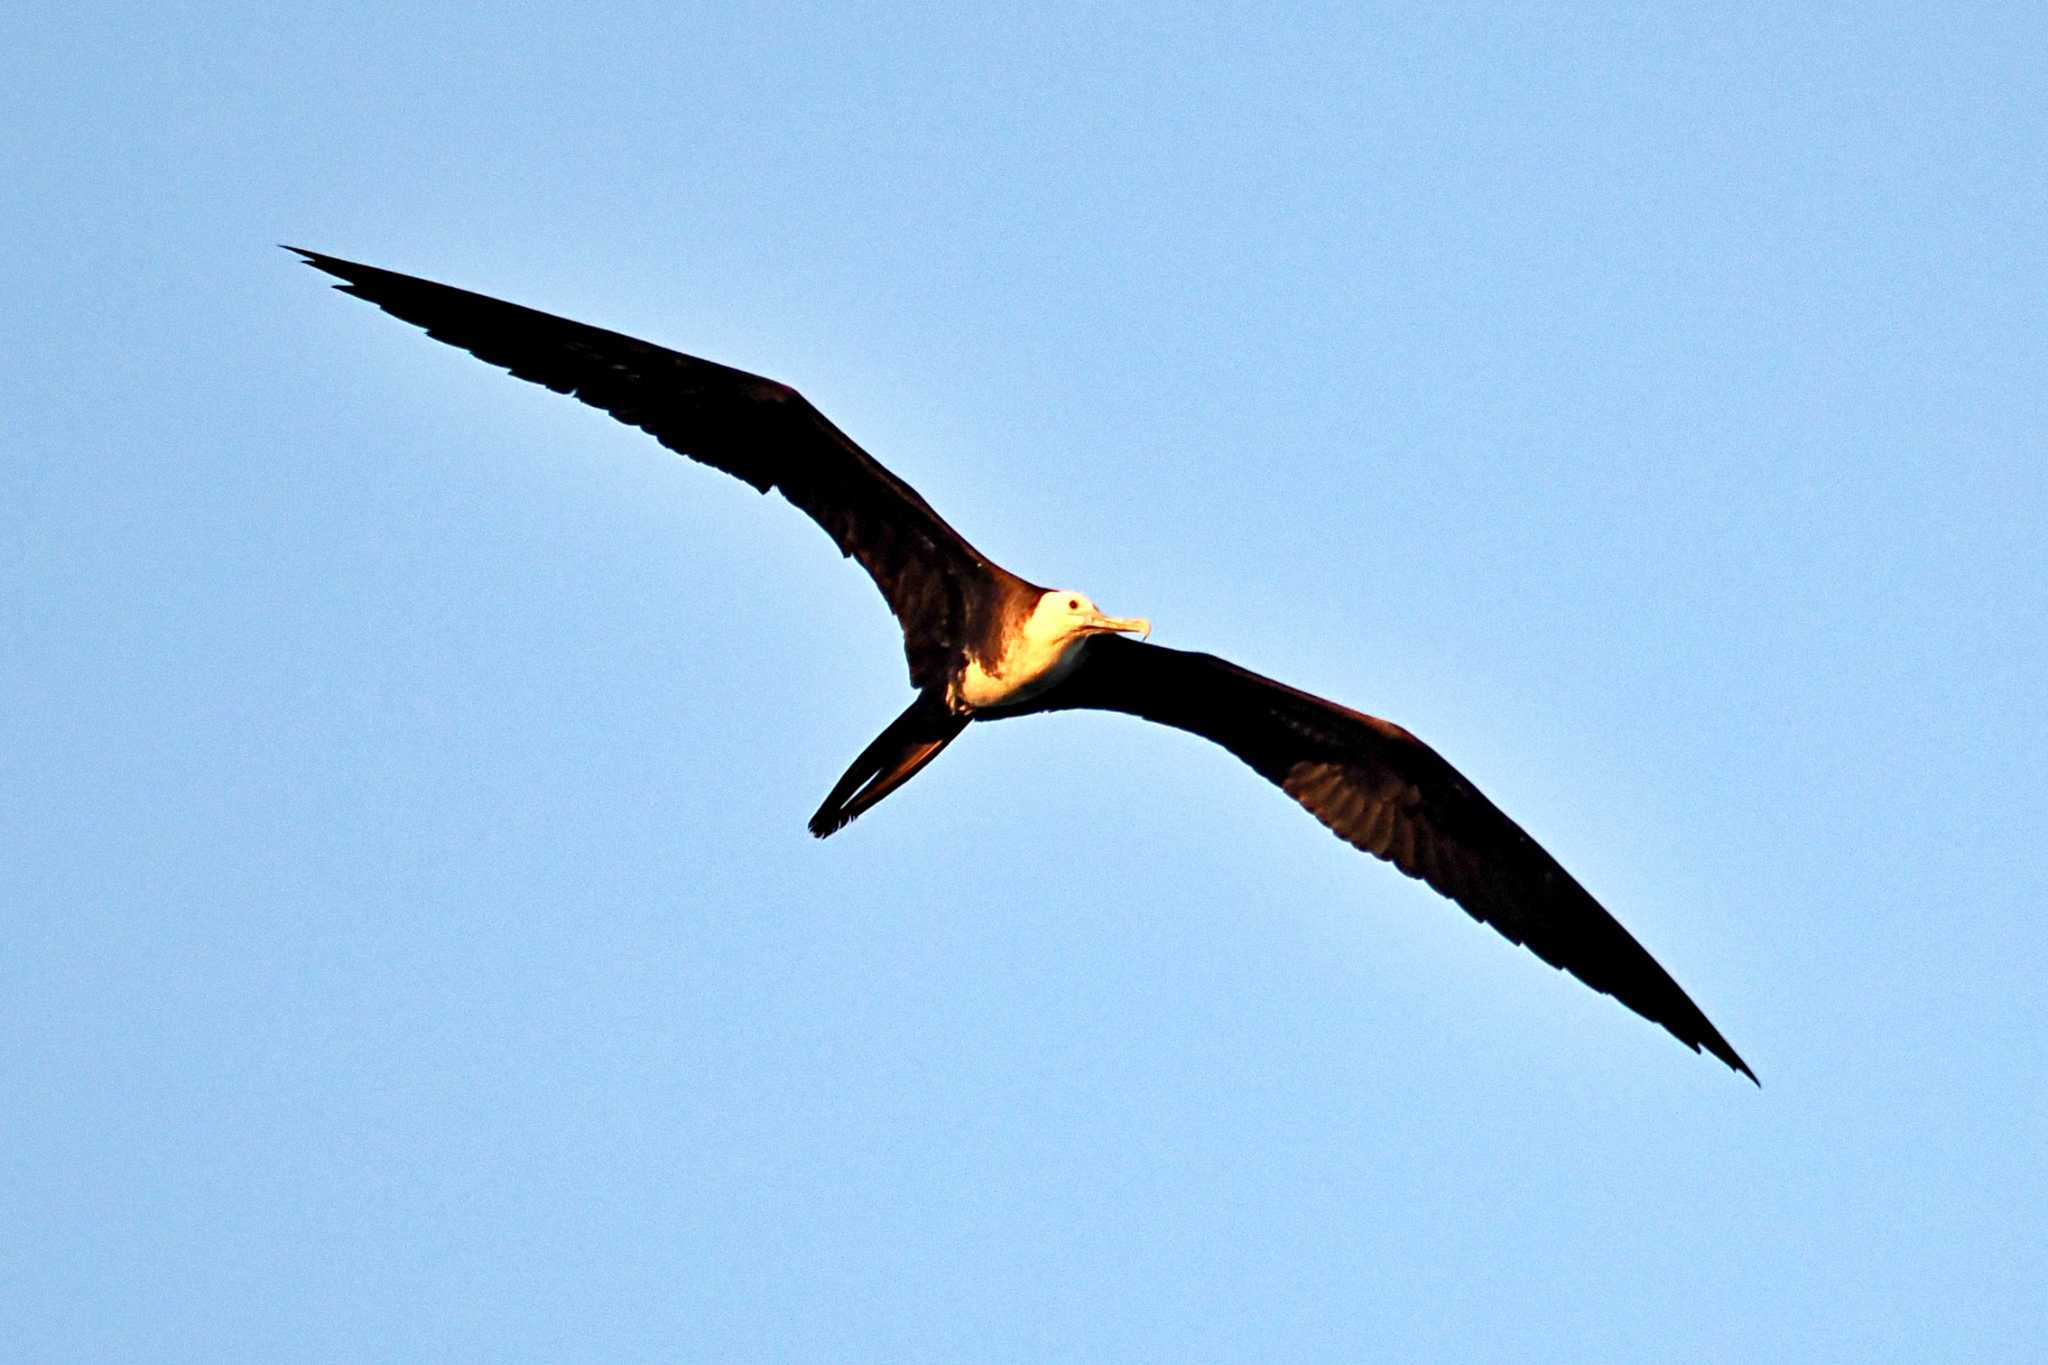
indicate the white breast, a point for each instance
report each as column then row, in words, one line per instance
column 1026, row 669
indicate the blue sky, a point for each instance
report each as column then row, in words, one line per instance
column 413, row 947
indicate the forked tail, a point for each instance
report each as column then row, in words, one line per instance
column 912, row 740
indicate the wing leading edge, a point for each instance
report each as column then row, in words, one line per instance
column 1385, row 792
column 755, row 429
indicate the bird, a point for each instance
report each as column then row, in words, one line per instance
column 984, row 644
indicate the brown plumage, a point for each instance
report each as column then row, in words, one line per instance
column 911, row 740
column 763, row 433
column 1385, row 792
column 984, row 644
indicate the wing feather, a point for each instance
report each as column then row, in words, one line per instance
column 1384, row 791
column 757, row 430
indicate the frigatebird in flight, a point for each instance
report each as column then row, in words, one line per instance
column 984, row 644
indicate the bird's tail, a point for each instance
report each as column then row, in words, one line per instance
column 912, row 740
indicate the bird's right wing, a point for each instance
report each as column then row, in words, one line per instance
column 755, row 429
column 1384, row 791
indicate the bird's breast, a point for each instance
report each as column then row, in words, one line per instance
column 1024, row 671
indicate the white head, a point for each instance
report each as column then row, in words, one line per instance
column 1064, row 616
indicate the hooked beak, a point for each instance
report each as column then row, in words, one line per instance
column 1121, row 625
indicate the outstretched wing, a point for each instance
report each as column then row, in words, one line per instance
column 1382, row 790
column 752, row 428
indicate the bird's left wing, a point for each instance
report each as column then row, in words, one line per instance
column 755, row 429
column 1384, row 791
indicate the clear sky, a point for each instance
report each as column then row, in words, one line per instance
column 412, row 948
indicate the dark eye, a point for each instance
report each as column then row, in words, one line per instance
column 1073, row 604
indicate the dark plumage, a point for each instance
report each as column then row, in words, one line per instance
column 984, row 644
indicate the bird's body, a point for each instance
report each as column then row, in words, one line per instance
column 984, row 644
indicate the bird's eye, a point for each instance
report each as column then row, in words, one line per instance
column 1073, row 604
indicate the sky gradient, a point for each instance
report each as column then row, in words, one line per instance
column 413, row 947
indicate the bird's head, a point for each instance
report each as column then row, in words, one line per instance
column 1065, row 615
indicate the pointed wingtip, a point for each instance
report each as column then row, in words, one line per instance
column 1717, row 1046
column 319, row 261
column 345, row 271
